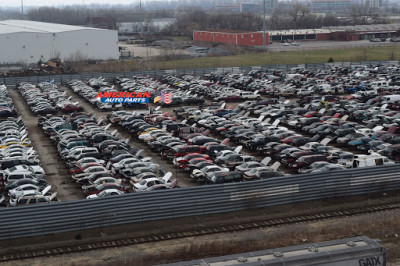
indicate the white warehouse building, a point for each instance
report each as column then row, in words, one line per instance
column 27, row 42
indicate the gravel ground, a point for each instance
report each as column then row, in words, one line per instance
column 56, row 171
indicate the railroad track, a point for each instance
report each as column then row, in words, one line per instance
column 12, row 256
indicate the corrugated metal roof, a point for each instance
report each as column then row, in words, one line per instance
column 358, row 28
column 14, row 26
column 298, row 32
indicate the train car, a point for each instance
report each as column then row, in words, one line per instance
column 356, row 251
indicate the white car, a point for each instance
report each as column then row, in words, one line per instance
column 285, row 44
column 32, row 197
column 89, row 160
column 106, row 193
column 34, row 169
column 89, row 171
column 149, row 182
column 124, row 163
column 208, row 170
column 144, row 136
column 19, row 190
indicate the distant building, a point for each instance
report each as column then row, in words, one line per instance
column 231, row 37
column 271, row 5
column 289, row 5
column 27, row 42
column 249, row 7
column 228, row 7
column 154, row 25
column 330, row 5
column 343, row 33
column 373, row 3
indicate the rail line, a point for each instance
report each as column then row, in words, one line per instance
column 61, row 250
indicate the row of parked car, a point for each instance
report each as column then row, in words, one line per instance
column 22, row 177
column 46, row 98
column 188, row 86
column 208, row 159
column 98, row 160
column 323, row 120
column 298, row 82
column 89, row 93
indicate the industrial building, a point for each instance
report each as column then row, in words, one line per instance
column 30, row 41
column 356, row 251
column 345, row 33
column 330, row 5
column 230, row 37
column 271, row 5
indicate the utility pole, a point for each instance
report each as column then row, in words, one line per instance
column 264, row 43
column 141, row 19
column 22, row 8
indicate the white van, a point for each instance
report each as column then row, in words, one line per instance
column 249, row 95
column 390, row 98
column 367, row 160
column 380, row 84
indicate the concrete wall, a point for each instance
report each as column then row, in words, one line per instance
column 30, row 47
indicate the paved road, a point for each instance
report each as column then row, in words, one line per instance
column 325, row 45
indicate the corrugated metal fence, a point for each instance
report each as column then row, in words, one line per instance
column 196, row 71
column 147, row 206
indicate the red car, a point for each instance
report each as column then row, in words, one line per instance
column 233, row 98
column 182, row 150
column 195, row 161
column 311, row 114
column 180, row 162
column 71, row 108
column 77, row 168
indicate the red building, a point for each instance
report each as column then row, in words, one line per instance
column 229, row 37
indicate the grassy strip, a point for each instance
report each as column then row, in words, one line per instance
column 251, row 59
column 321, row 56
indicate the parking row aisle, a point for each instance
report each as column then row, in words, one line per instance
column 56, row 172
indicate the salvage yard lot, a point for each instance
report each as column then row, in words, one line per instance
column 305, row 121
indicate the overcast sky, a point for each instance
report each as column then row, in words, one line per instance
column 16, row 3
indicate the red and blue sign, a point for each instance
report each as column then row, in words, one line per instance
column 123, row 97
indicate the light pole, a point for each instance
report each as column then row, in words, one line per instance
column 141, row 19
column 22, row 8
column 264, row 42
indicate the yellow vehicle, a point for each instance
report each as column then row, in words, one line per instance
column 25, row 142
column 147, row 131
column 323, row 105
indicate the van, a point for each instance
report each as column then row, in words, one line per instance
column 390, row 98
column 249, row 95
column 368, row 160
column 380, row 84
